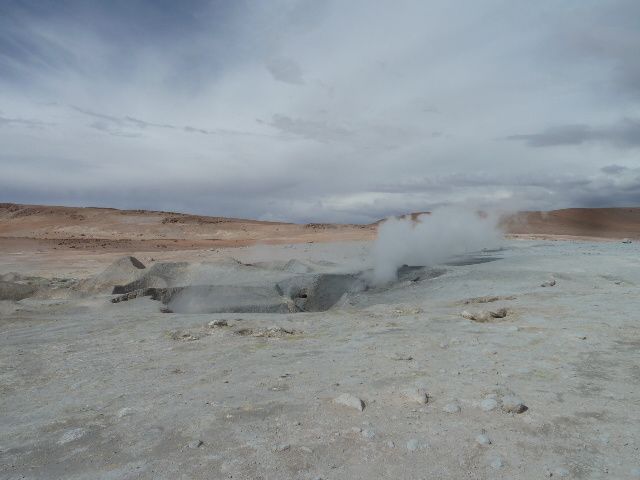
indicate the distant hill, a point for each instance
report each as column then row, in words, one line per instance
column 107, row 228
column 579, row 222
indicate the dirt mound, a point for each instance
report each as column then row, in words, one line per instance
column 317, row 293
column 122, row 271
column 160, row 275
column 16, row 291
column 296, row 266
column 228, row 299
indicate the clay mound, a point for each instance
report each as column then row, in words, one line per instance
column 16, row 291
column 227, row 299
column 296, row 266
column 122, row 271
column 317, row 293
column 160, row 275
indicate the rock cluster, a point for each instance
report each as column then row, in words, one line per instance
column 484, row 316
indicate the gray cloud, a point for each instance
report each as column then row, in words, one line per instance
column 613, row 169
column 285, row 70
column 354, row 125
column 117, row 125
column 24, row 122
column 624, row 134
column 605, row 34
column 320, row 131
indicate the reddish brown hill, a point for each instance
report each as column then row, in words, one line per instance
column 106, row 228
column 579, row 222
column 41, row 226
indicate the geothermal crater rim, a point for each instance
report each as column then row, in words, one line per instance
column 308, row 292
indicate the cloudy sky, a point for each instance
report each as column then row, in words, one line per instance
column 320, row 110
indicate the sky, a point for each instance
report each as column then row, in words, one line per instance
column 320, row 110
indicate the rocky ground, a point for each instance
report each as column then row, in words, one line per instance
column 522, row 362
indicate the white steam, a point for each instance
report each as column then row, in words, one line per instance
column 431, row 239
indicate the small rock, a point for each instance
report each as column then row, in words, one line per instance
column 306, row 449
column 282, row 448
column 71, row 435
column 414, row 394
column 412, row 445
column 488, row 404
column 484, row 316
column 368, row 433
column 351, row 401
column 626, row 240
column 195, row 444
column 453, row 407
column 500, row 313
column 401, row 356
column 550, row 283
column 513, row 404
column 391, row 444
column 218, row 323
column 483, row 439
column 124, row 412
column 561, row 472
column 496, row 463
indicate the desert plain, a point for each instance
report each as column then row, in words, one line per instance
column 138, row 344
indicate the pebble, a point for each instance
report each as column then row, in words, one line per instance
column 414, row 394
column 195, row 444
column 391, row 444
column 513, row 404
column 71, row 435
column 496, row 463
column 282, row 448
column 483, row 439
column 561, row 472
column 550, row 283
column 453, row 407
column 412, row 445
column 402, row 356
column 488, row 404
column 351, row 401
column 368, row 433
column 306, row 449
column 218, row 323
column 124, row 412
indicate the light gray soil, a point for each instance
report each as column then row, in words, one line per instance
column 91, row 389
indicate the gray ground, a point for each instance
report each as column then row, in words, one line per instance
column 94, row 389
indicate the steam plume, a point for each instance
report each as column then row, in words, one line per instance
column 431, row 239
